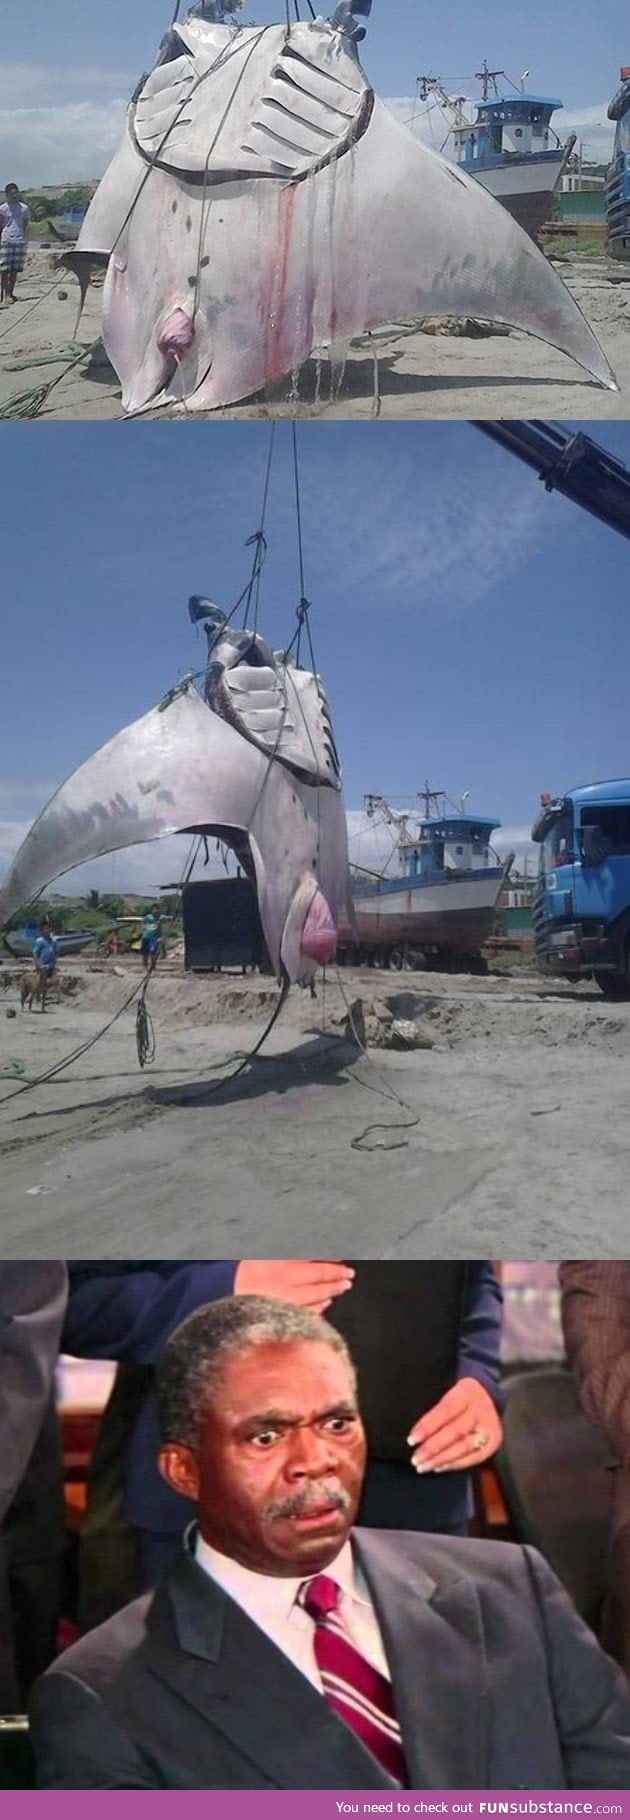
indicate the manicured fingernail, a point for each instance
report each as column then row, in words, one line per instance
column 420, row 1467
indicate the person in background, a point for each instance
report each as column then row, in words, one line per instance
column 427, row 1341
column 151, row 938
column 287, row 1648
column 532, row 1328
column 596, row 1322
column 32, row 1308
column 15, row 216
column 45, row 952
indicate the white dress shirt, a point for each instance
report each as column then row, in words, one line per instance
column 271, row 1602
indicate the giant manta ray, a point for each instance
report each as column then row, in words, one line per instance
column 254, row 763
column 264, row 204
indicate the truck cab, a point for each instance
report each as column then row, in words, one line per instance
column 582, row 904
column 618, row 174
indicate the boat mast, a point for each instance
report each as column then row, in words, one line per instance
column 488, row 80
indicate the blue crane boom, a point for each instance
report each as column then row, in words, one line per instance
column 570, row 463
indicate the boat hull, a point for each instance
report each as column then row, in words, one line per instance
column 526, row 190
column 455, row 916
column 21, row 946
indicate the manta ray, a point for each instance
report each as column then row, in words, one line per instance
column 264, row 205
column 254, row 762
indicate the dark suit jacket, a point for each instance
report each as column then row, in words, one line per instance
column 497, row 1684
column 32, row 1304
column 127, row 1312
column 596, row 1321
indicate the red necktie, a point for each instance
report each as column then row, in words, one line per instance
column 359, row 1693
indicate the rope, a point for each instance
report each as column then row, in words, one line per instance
column 385, row 1088
column 40, row 1080
column 45, row 360
column 251, row 1056
column 17, row 320
column 260, row 541
column 29, row 404
column 145, row 1034
column 225, row 116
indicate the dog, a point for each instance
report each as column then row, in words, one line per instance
column 34, row 986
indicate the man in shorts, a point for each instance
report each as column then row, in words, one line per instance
column 15, row 216
column 45, row 953
column 151, row 938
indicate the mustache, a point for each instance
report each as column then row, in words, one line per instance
column 305, row 1503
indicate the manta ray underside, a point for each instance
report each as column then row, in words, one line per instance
column 264, row 205
column 255, row 763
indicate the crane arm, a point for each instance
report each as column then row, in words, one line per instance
column 570, row 463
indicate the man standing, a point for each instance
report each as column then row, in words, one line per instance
column 45, row 952
column 426, row 1342
column 150, row 944
column 15, row 216
column 287, row 1649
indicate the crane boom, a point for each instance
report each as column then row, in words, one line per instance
column 570, row 463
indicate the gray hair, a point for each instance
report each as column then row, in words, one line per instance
column 190, row 1369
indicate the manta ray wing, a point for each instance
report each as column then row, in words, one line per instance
column 181, row 768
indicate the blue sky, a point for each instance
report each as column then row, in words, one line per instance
column 69, row 66
column 471, row 629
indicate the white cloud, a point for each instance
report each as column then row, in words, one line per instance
column 61, row 125
column 144, row 869
column 517, row 840
column 60, row 144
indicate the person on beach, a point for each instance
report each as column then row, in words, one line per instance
column 45, row 953
column 15, row 216
column 151, row 938
column 289, row 1649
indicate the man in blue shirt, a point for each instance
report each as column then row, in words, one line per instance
column 45, row 952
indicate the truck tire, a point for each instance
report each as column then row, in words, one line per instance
column 616, row 986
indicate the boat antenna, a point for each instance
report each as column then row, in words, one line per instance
column 488, row 80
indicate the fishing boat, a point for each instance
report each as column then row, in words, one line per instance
column 21, row 942
column 442, row 897
column 507, row 142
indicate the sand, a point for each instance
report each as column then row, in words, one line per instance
column 519, row 1148
column 421, row 375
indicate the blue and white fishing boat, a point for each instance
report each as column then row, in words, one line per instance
column 507, row 142
column 442, row 897
column 21, row 942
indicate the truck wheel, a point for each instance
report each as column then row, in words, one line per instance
column 616, row 986
column 397, row 959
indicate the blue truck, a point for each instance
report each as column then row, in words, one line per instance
column 618, row 173
column 582, row 903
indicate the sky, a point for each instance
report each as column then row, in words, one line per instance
column 471, row 629
column 69, row 67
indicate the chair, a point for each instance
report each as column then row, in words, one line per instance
column 554, row 1469
column 17, row 1769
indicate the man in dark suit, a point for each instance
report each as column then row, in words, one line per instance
column 32, row 1307
column 596, row 1322
column 426, row 1340
column 287, row 1649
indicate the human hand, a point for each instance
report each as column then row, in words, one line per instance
column 309, row 1283
column 461, row 1431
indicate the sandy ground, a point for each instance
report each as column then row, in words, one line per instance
column 420, row 375
column 513, row 1139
